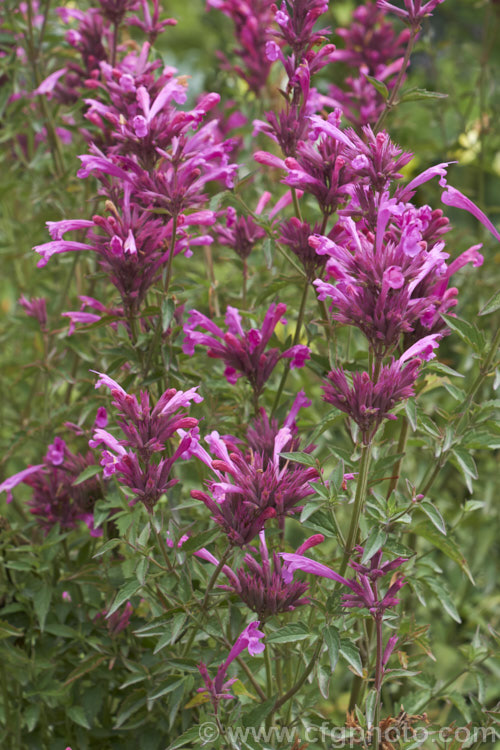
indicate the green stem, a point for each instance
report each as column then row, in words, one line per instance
column 403, row 437
column 361, row 489
column 296, row 338
column 209, row 588
column 305, row 674
column 168, row 274
column 399, row 80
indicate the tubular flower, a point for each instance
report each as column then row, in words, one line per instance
column 393, row 282
column 372, row 48
column 260, row 584
column 244, row 353
column 147, row 430
column 252, row 22
column 415, row 11
column 368, row 402
column 55, row 498
column 251, row 487
column 218, row 689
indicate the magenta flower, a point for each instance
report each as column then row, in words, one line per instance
column 244, row 353
column 251, row 487
column 371, row 48
column 55, row 499
column 252, row 30
column 147, row 430
column 36, row 307
column 11, row 482
column 415, row 12
column 260, row 584
column 453, row 197
column 367, row 402
column 218, row 689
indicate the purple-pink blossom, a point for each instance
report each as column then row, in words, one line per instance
column 244, row 352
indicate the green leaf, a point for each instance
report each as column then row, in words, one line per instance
column 371, row 702
column 332, row 639
column 87, row 473
column 268, row 248
column 446, row 544
column 295, row 631
column 300, row 458
column 9, row 631
column 167, row 313
column 351, row 654
column 492, row 305
column 411, row 412
column 379, row 86
column 468, row 332
column 86, row 666
column 309, row 509
column 466, row 462
column 193, row 735
column 434, row 515
column 106, row 547
column 375, row 541
column 41, row 603
column 197, row 541
column 258, row 714
column 442, row 594
column 417, row 95
column 77, row 714
column 323, row 523
column 125, row 593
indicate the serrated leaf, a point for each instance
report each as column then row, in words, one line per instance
column 323, row 523
column 351, row 654
column 167, row 313
column 434, row 515
column 295, row 631
column 378, row 86
column 331, row 637
column 309, row 509
column 411, row 412
column 375, row 541
column 198, row 700
column 492, row 305
column 87, row 473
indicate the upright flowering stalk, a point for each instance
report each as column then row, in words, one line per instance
column 260, row 583
column 217, row 689
column 147, row 430
column 364, row 594
column 244, row 353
